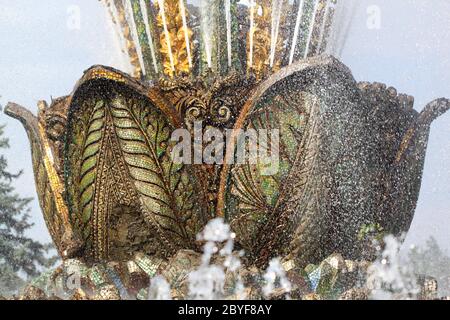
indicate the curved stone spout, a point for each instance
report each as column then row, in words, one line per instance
column 48, row 182
column 41, row 176
column 407, row 168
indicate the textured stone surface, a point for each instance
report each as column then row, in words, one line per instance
column 355, row 294
column 333, row 278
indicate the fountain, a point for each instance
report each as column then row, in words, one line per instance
column 350, row 154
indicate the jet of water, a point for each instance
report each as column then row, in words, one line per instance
column 206, row 30
column 344, row 16
column 186, row 34
column 296, row 30
column 159, row 289
column 276, row 16
column 149, row 35
column 131, row 22
column 273, row 273
column 119, row 37
column 207, row 282
column 311, row 27
column 228, row 22
column 252, row 29
column 166, row 32
column 390, row 277
column 323, row 26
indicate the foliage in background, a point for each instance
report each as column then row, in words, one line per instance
column 430, row 260
column 21, row 258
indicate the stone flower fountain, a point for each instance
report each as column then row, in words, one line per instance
column 116, row 205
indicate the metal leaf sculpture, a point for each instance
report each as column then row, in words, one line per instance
column 349, row 153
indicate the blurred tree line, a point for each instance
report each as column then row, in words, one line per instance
column 21, row 258
column 431, row 260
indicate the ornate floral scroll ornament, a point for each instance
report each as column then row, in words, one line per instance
column 259, row 38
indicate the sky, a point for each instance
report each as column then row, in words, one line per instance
column 403, row 43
